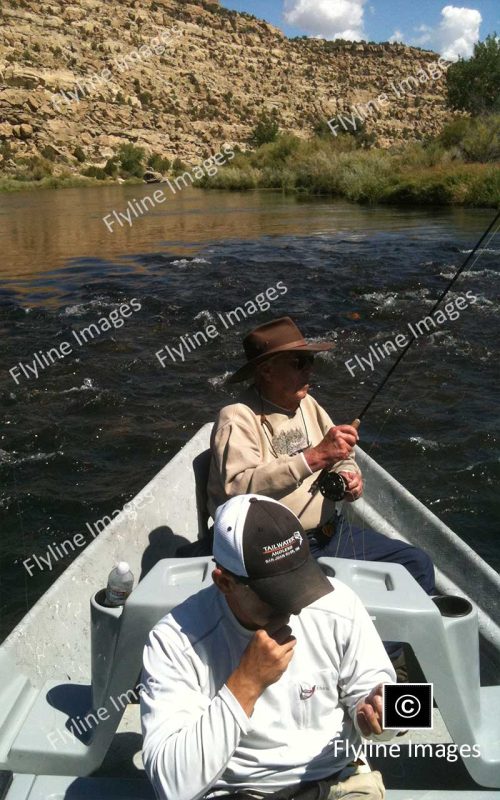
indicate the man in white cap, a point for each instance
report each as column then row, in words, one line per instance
column 261, row 685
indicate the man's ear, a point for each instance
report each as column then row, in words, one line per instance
column 223, row 580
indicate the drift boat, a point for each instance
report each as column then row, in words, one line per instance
column 70, row 723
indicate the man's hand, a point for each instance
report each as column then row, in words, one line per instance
column 336, row 445
column 354, row 483
column 369, row 712
column 264, row 661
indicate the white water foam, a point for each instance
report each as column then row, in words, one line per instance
column 205, row 316
column 10, row 458
column 85, row 387
column 425, row 444
column 219, row 380
column 185, row 262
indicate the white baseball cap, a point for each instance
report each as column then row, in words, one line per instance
column 260, row 539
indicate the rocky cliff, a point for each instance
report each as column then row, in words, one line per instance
column 182, row 78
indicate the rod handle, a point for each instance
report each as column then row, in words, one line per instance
column 356, row 423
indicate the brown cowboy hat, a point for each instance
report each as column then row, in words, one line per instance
column 279, row 336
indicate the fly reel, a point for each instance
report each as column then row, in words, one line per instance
column 331, row 485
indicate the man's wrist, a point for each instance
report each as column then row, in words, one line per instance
column 244, row 690
column 315, row 461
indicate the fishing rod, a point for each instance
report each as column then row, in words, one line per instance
column 331, row 484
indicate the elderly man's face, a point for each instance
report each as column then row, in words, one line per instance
column 285, row 378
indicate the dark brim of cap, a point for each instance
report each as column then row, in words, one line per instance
column 294, row 590
column 247, row 369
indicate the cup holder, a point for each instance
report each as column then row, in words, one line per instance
column 450, row 605
column 100, row 598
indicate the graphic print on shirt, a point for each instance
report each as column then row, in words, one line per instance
column 312, row 697
column 290, row 442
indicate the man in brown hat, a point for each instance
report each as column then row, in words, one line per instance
column 276, row 439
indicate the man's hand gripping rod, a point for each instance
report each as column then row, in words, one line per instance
column 331, row 484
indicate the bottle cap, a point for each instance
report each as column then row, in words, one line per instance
column 122, row 567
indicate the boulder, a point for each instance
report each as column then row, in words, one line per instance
column 152, row 177
column 73, row 13
column 33, row 103
column 23, row 131
column 6, row 130
column 106, row 152
column 23, row 77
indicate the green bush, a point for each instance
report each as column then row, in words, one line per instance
column 95, row 172
column 474, row 85
column 112, row 166
column 321, row 129
column 267, row 130
column 233, row 179
column 131, row 160
column 415, row 191
column 482, row 141
column 178, row 167
column 158, row 163
column 476, row 139
column 278, row 151
column 5, row 150
column 33, row 168
column 453, row 133
column 145, row 98
column 79, row 154
column 48, row 153
column 483, row 188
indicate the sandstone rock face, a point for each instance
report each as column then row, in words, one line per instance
column 181, row 78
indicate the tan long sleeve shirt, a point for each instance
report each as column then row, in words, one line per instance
column 249, row 457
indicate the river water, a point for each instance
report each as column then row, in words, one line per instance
column 85, row 430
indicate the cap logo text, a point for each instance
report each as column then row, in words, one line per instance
column 283, row 548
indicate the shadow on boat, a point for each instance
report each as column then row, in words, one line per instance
column 163, row 543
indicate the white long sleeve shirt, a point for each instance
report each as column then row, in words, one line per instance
column 197, row 738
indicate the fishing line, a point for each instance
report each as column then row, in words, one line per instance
column 435, row 306
column 330, row 483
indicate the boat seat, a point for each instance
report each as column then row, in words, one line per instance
column 447, row 649
column 201, row 469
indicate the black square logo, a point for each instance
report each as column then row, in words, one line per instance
column 407, row 705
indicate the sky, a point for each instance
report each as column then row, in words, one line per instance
column 451, row 30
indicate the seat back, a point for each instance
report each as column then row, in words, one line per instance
column 201, row 469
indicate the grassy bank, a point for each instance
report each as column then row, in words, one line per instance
column 9, row 184
column 460, row 167
column 55, row 171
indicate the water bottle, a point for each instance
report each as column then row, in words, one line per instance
column 120, row 583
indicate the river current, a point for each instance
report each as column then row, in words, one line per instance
column 91, row 412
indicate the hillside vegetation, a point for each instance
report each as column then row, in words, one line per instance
column 457, row 167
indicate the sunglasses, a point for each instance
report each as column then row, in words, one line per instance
column 301, row 361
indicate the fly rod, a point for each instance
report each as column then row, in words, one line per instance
column 331, row 484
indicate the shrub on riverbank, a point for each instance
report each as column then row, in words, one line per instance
column 456, row 168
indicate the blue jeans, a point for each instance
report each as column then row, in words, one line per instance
column 350, row 541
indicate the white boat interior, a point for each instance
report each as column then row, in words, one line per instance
column 69, row 669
